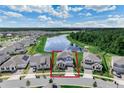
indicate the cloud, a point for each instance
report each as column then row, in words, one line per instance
column 43, row 18
column 62, row 13
column 100, row 8
column 85, row 14
column 0, row 20
column 88, row 14
column 113, row 21
column 75, row 9
column 11, row 14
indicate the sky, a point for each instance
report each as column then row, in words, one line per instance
column 62, row 16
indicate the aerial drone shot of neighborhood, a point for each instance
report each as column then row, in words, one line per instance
column 74, row 46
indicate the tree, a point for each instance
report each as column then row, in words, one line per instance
column 95, row 84
column 108, row 40
column 28, row 83
column 50, row 81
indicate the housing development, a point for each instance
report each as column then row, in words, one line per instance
column 45, row 59
column 61, row 46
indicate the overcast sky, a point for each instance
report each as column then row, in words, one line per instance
column 62, row 16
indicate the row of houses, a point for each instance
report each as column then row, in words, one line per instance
column 17, row 47
column 37, row 62
column 93, row 62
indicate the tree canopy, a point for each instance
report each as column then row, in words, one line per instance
column 108, row 40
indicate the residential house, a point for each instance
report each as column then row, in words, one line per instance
column 15, row 63
column 16, row 48
column 118, row 64
column 64, row 59
column 3, row 56
column 39, row 61
column 92, row 61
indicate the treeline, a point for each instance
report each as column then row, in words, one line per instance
column 52, row 29
column 41, row 29
column 108, row 40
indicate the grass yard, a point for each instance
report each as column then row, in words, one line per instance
column 80, row 54
column 72, row 86
column 38, row 47
column 75, row 42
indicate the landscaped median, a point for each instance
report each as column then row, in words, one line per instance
column 74, row 86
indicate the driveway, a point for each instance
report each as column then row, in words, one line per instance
column 87, row 73
column 30, row 74
column 119, row 80
column 16, row 75
column 69, row 72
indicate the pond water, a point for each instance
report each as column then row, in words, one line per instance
column 57, row 43
column 60, row 43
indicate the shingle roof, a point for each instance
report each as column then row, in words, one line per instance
column 118, row 60
column 38, row 59
column 91, row 56
column 14, row 61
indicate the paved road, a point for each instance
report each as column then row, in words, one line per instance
column 30, row 74
column 16, row 75
column 86, row 82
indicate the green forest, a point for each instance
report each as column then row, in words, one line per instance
column 108, row 40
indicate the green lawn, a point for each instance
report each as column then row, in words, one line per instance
column 38, row 47
column 75, row 41
column 72, row 86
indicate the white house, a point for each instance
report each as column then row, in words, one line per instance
column 39, row 61
column 118, row 64
column 92, row 61
column 65, row 59
column 15, row 63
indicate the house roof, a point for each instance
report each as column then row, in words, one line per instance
column 3, row 55
column 118, row 60
column 16, row 60
column 91, row 56
column 38, row 59
column 64, row 54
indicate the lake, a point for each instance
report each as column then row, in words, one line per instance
column 57, row 43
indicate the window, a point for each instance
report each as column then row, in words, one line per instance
column 12, row 68
column 2, row 68
column 7, row 68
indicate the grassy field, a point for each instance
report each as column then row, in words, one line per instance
column 38, row 47
column 75, row 42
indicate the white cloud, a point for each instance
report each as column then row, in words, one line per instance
column 88, row 14
column 0, row 20
column 101, row 8
column 11, row 14
column 75, row 9
column 113, row 21
column 85, row 14
column 43, row 18
column 62, row 13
